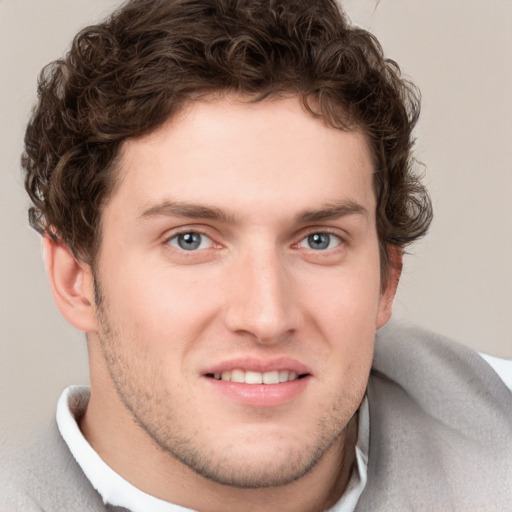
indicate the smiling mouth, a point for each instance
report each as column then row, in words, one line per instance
column 252, row 377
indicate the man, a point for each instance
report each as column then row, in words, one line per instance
column 225, row 189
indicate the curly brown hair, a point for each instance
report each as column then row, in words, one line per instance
column 125, row 77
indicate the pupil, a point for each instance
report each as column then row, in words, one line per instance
column 319, row 241
column 189, row 241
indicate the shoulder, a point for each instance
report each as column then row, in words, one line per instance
column 42, row 475
column 443, row 380
column 12, row 493
column 440, row 425
column 426, row 362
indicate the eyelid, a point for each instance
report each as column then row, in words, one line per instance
column 182, row 230
column 204, row 239
column 341, row 235
column 303, row 243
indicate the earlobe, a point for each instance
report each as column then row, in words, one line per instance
column 389, row 290
column 72, row 285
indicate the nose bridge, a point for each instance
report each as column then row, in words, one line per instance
column 261, row 301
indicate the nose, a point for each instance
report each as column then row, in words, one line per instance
column 262, row 303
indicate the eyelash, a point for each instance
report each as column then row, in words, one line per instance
column 196, row 231
column 305, row 239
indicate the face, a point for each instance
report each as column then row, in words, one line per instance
column 239, row 284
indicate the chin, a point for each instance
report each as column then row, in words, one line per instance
column 253, row 470
column 254, row 457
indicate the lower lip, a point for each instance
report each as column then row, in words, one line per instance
column 261, row 395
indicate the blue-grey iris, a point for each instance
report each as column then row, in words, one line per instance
column 319, row 241
column 189, row 241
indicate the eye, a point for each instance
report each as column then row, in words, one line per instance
column 320, row 241
column 190, row 241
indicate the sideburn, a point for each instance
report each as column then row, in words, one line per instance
column 98, row 295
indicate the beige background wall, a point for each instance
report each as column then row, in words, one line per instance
column 458, row 281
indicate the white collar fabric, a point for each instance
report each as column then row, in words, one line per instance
column 116, row 491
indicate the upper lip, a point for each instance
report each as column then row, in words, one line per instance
column 258, row 364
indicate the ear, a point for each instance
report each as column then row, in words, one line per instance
column 72, row 285
column 389, row 289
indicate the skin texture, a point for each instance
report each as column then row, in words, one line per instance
column 255, row 181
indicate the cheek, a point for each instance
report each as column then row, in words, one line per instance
column 348, row 296
column 159, row 303
column 344, row 307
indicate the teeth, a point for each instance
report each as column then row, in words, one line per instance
column 283, row 376
column 270, row 378
column 250, row 377
column 253, row 378
column 237, row 376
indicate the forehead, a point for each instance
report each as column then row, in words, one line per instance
column 236, row 155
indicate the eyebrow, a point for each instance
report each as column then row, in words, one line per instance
column 195, row 211
column 333, row 211
column 190, row 210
